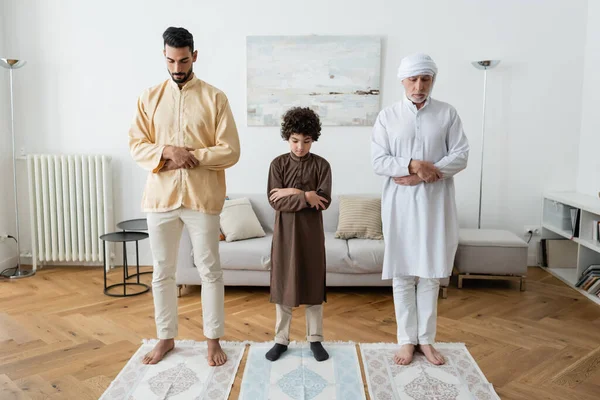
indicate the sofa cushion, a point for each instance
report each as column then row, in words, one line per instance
column 365, row 256
column 330, row 216
column 250, row 254
column 239, row 222
column 261, row 207
column 336, row 253
column 360, row 217
column 255, row 254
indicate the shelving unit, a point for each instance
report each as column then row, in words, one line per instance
column 556, row 224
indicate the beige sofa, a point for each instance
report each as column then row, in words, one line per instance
column 353, row 262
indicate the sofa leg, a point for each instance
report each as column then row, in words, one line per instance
column 460, row 281
column 444, row 292
column 523, row 284
column 179, row 287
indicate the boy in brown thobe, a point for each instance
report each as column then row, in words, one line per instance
column 299, row 189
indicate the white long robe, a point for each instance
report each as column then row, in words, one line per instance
column 420, row 223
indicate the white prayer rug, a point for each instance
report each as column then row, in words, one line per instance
column 459, row 379
column 184, row 373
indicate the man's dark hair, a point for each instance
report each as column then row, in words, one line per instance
column 178, row 38
column 301, row 120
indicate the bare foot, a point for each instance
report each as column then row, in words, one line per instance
column 216, row 355
column 404, row 356
column 159, row 351
column 432, row 355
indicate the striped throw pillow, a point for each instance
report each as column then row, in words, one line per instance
column 360, row 217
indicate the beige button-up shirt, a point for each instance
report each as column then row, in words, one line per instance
column 196, row 116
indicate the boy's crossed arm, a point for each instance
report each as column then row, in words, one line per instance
column 311, row 197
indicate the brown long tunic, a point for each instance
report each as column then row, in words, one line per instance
column 298, row 248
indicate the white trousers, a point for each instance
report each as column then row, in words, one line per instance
column 165, row 230
column 415, row 301
column 314, row 323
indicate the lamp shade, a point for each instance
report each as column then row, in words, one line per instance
column 485, row 64
column 11, row 63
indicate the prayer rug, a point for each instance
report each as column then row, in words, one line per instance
column 298, row 376
column 183, row 374
column 459, row 379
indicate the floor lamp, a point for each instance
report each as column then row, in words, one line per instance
column 11, row 65
column 484, row 65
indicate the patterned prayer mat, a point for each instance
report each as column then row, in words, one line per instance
column 183, row 374
column 298, row 376
column 460, row 378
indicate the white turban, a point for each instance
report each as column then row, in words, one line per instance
column 415, row 65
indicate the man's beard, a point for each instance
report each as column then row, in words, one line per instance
column 417, row 100
column 181, row 78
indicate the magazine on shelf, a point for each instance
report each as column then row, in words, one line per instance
column 594, row 288
column 575, row 222
column 591, row 272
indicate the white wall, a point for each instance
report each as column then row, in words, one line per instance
column 7, row 214
column 589, row 146
column 88, row 62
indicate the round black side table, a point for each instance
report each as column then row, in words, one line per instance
column 124, row 237
column 138, row 224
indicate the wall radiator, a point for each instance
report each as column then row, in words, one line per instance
column 70, row 203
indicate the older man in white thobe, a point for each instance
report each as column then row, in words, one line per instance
column 418, row 144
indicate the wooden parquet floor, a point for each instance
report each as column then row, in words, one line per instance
column 62, row 338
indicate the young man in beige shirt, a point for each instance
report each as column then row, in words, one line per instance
column 184, row 134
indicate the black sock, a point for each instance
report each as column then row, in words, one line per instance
column 318, row 351
column 275, row 352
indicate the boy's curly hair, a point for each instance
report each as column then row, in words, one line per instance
column 301, row 120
